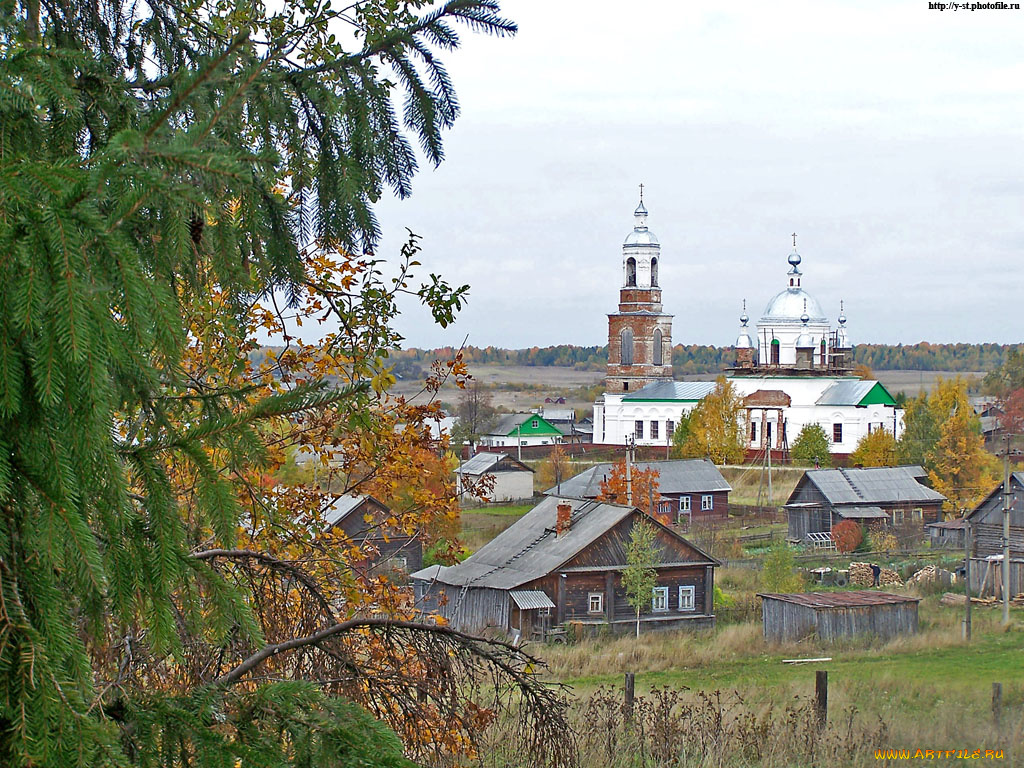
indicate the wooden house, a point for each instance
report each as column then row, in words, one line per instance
column 561, row 563
column 688, row 489
column 891, row 496
column 509, row 479
column 986, row 525
column 947, row 534
column 361, row 519
column 833, row 615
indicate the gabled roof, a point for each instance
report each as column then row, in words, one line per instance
column 507, row 424
column 868, row 486
column 677, row 476
column 530, row 550
column 558, row 414
column 1016, row 478
column 344, row 506
column 486, row 462
column 684, row 391
column 856, row 392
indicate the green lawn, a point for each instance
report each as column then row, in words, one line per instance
column 481, row 525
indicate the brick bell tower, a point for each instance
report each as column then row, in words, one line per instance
column 639, row 334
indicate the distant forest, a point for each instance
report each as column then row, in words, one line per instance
column 697, row 358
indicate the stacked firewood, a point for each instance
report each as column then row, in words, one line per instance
column 931, row 573
column 861, row 575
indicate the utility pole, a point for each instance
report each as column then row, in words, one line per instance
column 519, row 441
column 1006, row 532
column 967, row 582
column 629, row 470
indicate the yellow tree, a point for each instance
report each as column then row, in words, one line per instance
column 875, row 449
column 714, row 426
column 960, row 467
column 643, row 486
column 555, row 468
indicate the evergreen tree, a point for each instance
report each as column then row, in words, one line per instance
column 811, row 447
column 162, row 168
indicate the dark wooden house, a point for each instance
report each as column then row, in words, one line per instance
column 362, row 520
column 689, row 490
column 986, row 524
column 947, row 534
column 561, row 563
column 833, row 615
column 891, row 496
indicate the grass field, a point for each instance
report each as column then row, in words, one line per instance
column 481, row 525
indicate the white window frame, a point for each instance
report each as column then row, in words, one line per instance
column 659, row 595
column 595, row 598
column 400, row 563
column 707, row 502
column 535, row 424
column 654, row 430
column 684, row 503
column 690, row 601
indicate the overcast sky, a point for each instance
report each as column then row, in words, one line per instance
column 887, row 135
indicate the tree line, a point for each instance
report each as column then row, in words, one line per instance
column 703, row 358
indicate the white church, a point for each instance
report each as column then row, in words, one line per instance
column 791, row 369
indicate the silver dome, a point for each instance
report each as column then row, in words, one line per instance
column 788, row 306
column 641, row 237
column 743, row 341
column 804, row 340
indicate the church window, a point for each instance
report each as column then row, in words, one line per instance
column 775, row 351
column 670, row 428
column 625, row 386
column 654, row 273
column 654, row 430
column 837, row 433
column 768, row 432
column 824, row 361
column 630, row 271
column 626, row 347
column 753, row 431
column 657, row 347
column 639, row 430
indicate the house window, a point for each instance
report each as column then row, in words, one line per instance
column 837, row 433
column 686, row 598
column 639, row 430
column 918, row 513
column 707, row 501
column 595, row 603
column 659, row 599
column 684, row 503
column 654, row 430
column 400, row 563
column 534, row 424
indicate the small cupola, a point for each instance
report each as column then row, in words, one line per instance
column 744, row 343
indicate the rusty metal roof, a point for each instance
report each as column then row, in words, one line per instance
column 850, row 599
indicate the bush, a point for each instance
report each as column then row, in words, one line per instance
column 847, row 535
column 778, row 574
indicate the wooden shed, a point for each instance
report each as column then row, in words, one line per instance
column 833, row 615
column 986, row 524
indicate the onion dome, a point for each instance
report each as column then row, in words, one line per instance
column 743, row 341
column 787, row 307
column 842, row 336
column 640, row 235
column 805, row 340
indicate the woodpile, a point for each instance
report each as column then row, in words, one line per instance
column 861, row 575
column 930, row 574
column 953, row 598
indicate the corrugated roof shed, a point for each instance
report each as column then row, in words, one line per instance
column 529, row 549
column 871, row 485
column 678, row 476
column 687, row 391
column 857, row 597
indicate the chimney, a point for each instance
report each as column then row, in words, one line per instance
column 564, row 519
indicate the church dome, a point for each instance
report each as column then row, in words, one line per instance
column 788, row 306
column 640, row 235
